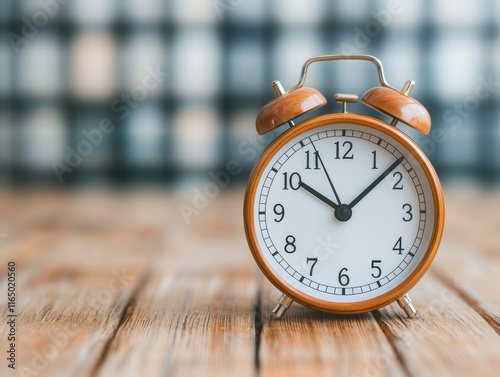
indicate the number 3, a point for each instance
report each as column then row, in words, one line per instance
column 408, row 212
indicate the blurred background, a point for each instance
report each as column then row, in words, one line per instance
column 158, row 92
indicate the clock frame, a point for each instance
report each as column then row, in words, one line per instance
column 292, row 293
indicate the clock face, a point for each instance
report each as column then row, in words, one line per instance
column 343, row 213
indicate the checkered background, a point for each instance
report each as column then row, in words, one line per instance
column 218, row 58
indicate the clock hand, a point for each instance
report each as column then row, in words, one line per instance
column 342, row 211
column 321, row 197
column 376, row 182
column 327, row 175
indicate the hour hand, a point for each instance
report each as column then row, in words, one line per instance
column 321, row 197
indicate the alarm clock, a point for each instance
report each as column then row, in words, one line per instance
column 343, row 212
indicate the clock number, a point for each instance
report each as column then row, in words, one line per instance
column 405, row 206
column 374, row 266
column 314, row 261
column 396, row 185
column 293, row 181
column 399, row 246
column 290, row 244
column 343, row 278
column 374, row 160
column 316, row 160
column 279, row 210
column 346, row 155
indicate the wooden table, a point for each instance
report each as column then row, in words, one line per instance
column 116, row 284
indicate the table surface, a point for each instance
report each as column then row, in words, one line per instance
column 117, row 284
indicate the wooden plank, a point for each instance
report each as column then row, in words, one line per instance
column 69, row 310
column 469, row 261
column 456, row 332
column 305, row 342
column 73, row 296
column 195, row 315
column 448, row 338
column 187, row 325
column 473, row 277
column 473, row 220
column 25, row 209
column 117, row 284
column 25, row 249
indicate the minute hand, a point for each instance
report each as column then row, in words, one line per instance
column 327, row 175
column 376, row 182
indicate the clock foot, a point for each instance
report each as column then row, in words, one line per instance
column 283, row 304
column 405, row 304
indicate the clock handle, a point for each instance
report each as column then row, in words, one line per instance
column 300, row 100
column 322, row 58
column 385, row 99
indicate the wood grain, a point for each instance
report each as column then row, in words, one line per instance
column 196, row 314
column 470, row 263
column 74, row 284
column 287, row 107
column 457, row 330
column 308, row 342
column 116, row 284
column 448, row 338
column 397, row 105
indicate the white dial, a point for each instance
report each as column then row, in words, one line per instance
column 343, row 213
